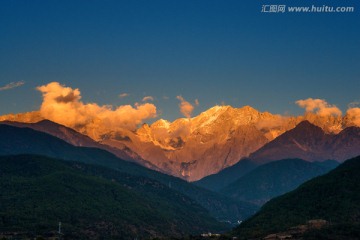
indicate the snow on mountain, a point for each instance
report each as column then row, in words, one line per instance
column 192, row 148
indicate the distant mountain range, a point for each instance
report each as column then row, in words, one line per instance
column 333, row 197
column 251, row 157
column 20, row 140
column 192, row 148
column 92, row 202
column 250, row 182
column 305, row 141
column 309, row 142
column 275, row 178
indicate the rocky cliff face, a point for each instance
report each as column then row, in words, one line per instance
column 192, row 148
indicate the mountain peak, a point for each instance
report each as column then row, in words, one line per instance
column 249, row 109
column 217, row 109
column 47, row 122
column 209, row 116
column 306, row 126
column 161, row 123
column 310, row 142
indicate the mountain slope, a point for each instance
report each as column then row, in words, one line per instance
column 334, row 197
column 309, row 142
column 15, row 140
column 218, row 181
column 196, row 147
column 192, row 148
column 273, row 179
column 77, row 139
column 92, row 202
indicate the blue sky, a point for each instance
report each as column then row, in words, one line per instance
column 213, row 51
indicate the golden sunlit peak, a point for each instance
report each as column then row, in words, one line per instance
column 161, row 123
column 249, row 108
column 217, row 108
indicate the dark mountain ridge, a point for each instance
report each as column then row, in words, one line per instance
column 275, row 178
column 92, row 202
column 77, row 139
column 309, row 142
column 15, row 140
column 333, row 197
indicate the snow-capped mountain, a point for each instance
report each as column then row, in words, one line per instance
column 192, row 148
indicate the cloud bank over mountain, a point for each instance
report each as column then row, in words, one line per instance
column 319, row 106
column 190, row 147
column 63, row 105
column 353, row 115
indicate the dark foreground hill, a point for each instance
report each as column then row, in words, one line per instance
column 16, row 140
column 92, row 202
column 275, row 178
column 333, row 197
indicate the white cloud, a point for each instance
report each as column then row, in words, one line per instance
column 147, row 99
column 197, row 102
column 319, row 106
column 186, row 108
column 12, row 85
column 123, row 95
column 354, row 104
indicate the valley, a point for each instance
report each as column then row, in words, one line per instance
column 219, row 202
